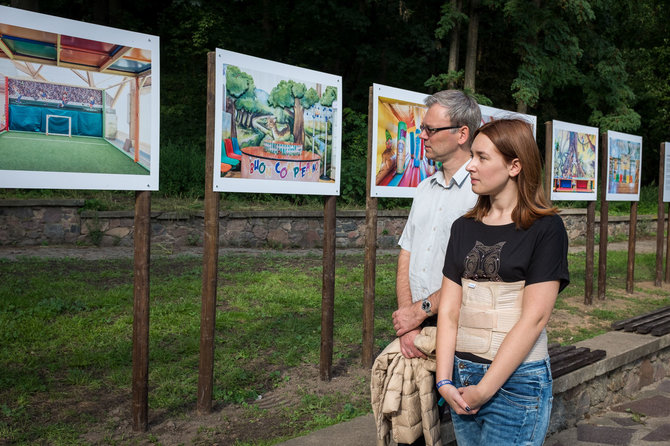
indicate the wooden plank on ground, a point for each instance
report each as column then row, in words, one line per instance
column 583, row 360
column 621, row 324
column 649, row 326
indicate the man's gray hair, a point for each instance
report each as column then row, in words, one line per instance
column 462, row 109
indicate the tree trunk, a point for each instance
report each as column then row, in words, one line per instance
column 522, row 107
column 298, row 123
column 30, row 5
column 454, row 47
column 230, row 108
column 471, row 52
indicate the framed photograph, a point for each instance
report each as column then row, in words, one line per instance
column 574, row 162
column 278, row 127
column 491, row 113
column 398, row 160
column 624, row 161
column 397, row 115
column 79, row 104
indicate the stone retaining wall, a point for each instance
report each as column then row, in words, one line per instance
column 633, row 361
column 40, row 222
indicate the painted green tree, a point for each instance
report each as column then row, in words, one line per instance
column 240, row 95
column 288, row 95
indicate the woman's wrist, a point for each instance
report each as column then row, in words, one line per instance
column 444, row 382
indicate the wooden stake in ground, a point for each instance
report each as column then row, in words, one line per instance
column 590, row 251
column 328, row 291
column 210, row 257
column 632, row 233
column 142, row 241
column 369, row 268
column 667, row 250
column 660, row 222
column 604, row 214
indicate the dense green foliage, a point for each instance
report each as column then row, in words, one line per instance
column 592, row 62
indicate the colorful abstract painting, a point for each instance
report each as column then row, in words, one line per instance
column 574, row 162
column 624, row 155
column 399, row 162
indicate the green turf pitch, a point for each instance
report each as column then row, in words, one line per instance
column 54, row 153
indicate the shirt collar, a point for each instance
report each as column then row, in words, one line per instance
column 458, row 179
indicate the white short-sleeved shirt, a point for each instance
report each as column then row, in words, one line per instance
column 435, row 207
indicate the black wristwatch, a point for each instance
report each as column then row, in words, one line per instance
column 427, row 307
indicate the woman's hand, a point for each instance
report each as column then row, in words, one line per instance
column 474, row 396
column 453, row 397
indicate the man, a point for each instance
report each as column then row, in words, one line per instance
column 447, row 130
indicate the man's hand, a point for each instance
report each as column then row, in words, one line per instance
column 407, row 318
column 407, row 347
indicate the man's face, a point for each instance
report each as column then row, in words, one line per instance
column 440, row 145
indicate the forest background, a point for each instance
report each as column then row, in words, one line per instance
column 604, row 63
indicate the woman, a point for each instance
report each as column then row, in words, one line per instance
column 505, row 265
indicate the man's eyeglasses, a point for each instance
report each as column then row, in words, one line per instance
column 430, row 131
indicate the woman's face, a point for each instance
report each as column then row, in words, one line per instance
column 490, row 174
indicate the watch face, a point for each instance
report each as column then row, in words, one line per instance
column 425, row 306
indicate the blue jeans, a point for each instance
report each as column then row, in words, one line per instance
column 518, row 414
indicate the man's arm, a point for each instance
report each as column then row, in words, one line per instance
column 409, row 316
column 407, row 320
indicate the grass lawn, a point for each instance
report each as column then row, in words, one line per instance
column 66, row 340
column 53, row 153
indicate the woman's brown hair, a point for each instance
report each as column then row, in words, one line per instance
column 514, row 139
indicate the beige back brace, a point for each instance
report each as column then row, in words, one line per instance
column 489, row 310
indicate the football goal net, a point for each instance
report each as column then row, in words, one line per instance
column 59, row 125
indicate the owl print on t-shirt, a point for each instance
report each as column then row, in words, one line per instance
column 483, row 262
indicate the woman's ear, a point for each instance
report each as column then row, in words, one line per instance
column 514, row 167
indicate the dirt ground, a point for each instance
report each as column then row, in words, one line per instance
column 259, row 421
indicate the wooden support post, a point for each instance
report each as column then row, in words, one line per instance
column 632, row 231
column 142, row 243
column 667, row 250
column 660, row 222
column 369, row 267
column 590, row 251
column 210, row 257
column 328, row 292
column 548, row 174
column 604, row 211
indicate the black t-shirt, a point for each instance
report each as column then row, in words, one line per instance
column 504, row 253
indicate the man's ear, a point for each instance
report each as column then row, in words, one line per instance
column 463, row 134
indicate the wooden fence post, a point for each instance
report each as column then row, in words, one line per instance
column 632, row 232
column 369, row 268
column 210, row 257
column 660, row 222
column 604, row 215
column 328, row 291
column 142, row 247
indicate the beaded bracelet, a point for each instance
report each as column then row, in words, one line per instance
column 444, row 382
